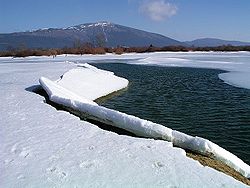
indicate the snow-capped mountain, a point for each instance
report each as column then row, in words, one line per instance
column 106, row 33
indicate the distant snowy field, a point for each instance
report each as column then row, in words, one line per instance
column 236, row 63
column 43, row 147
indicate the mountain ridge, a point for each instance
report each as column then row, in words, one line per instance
column 110, row 35
column 101, row 33
column 213, row 42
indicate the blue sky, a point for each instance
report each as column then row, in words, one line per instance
column 178, row 19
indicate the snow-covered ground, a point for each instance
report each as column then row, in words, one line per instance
column 236, row 63
column 43, row 147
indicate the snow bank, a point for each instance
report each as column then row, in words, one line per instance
column 131, row 123
column 54, row 90
column 91, row 83
column 207, row 148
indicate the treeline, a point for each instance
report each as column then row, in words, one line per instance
column 89, row 49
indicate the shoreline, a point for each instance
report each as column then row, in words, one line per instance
column 102, row 99
column 209, row 161
column 107, row 119
column 102, row 50
column 217, row 165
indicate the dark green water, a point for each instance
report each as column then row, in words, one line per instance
column 194, row 101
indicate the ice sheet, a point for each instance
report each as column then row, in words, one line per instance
column 91, row 83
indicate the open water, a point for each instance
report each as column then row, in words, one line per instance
column 194, row 101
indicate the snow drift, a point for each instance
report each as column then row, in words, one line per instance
column 76, row 90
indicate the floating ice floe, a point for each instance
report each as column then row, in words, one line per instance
column 79, row 87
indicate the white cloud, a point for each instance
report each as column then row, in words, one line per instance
column 157, row 10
